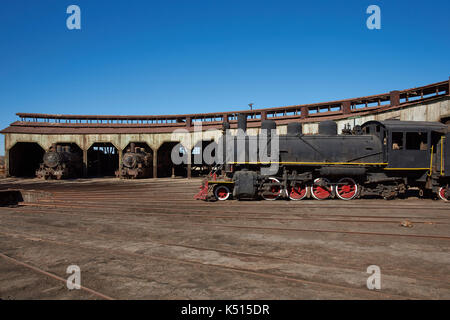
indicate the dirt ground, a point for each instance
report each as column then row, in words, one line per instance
column 149, row 239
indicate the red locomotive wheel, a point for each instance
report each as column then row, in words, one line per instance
column 321, row 192
column 222, row 193
column 298, row 192
column 347, row 189
column 442, row 192
column 274, row 192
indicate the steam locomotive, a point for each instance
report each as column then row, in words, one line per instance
column 379, row 158
column 59, row 162
column 136, row 163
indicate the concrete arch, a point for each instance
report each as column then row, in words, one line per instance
column 36, row 141
column 102, row 159
column 164, row 165
column 139, row 144
column 102, row 141
column 200, row 154
column 24, row 159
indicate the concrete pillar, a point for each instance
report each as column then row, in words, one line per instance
column 6, row 162
column 85, row 163
column 189, row 170
column 394, row 98
column 120, row 157
column 155, row 163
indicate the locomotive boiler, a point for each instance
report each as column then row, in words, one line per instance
column 381, row 158
column 59, row 162
column 136, row 163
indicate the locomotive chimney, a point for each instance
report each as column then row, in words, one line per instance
column 242, row 121
column 328, row 128
column 58, row 148
column 132, row 147
column 225, row 127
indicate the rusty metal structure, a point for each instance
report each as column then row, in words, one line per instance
column 102, row 139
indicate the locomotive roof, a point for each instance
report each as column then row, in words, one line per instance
column 410, row 125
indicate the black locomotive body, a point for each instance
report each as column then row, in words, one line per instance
column 59, row 162
column 381, row 158
column 136, row 163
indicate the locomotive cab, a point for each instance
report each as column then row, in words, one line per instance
column 407, row 144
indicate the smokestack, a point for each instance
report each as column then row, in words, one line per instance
column 225, row 127
column 242, row 121
column 132, row 147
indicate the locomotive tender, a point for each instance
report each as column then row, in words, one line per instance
column 379, row 158
column 59, row 162
column 136, row 163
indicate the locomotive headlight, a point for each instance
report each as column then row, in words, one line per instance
column 51, row 159
column 129, row 160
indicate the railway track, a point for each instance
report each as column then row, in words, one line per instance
column 305, row 204
column 272, row 243
column 238, row 254
column 52, row 276
column 246, row 216
column 276, row 277
column 272, row 228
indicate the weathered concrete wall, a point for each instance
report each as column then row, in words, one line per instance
column 431, row 111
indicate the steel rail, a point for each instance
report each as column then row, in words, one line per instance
column 52, row 275
column 278, row 277
column 401, row 272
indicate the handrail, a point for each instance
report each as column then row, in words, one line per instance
column 442, row 155
column 310, row 111
column 431, row 162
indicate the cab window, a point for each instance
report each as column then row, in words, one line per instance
column 397, row 141
column 416, row 141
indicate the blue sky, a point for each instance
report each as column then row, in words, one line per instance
column 169, row 57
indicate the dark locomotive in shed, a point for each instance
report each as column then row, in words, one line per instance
column 136, row 163
column 60, row 162
column 379, row 158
